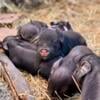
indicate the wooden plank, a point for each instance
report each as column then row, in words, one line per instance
column 4, row 32
column 19, row 86
column 9, row 18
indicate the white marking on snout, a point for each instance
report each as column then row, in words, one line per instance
column 65, row 28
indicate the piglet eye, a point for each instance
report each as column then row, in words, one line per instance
column 57, row 45
column 38, row 43
column 52, row 71
column 60, row 63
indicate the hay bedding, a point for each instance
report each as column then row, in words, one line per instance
column 39, row 88
column 5, row 93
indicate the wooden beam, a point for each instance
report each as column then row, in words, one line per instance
column 17, row 83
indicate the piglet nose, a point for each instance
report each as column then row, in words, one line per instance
column 44, row 52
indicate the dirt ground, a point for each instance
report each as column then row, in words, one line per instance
column 84, row 17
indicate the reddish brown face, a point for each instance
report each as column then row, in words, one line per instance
column 44, row 52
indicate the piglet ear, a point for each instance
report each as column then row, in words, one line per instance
column 60, row 36
column 85, row 68
column 68, row 25
column 52, row 23
column 19, row 30
column 56, row 64
column 4, row 45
